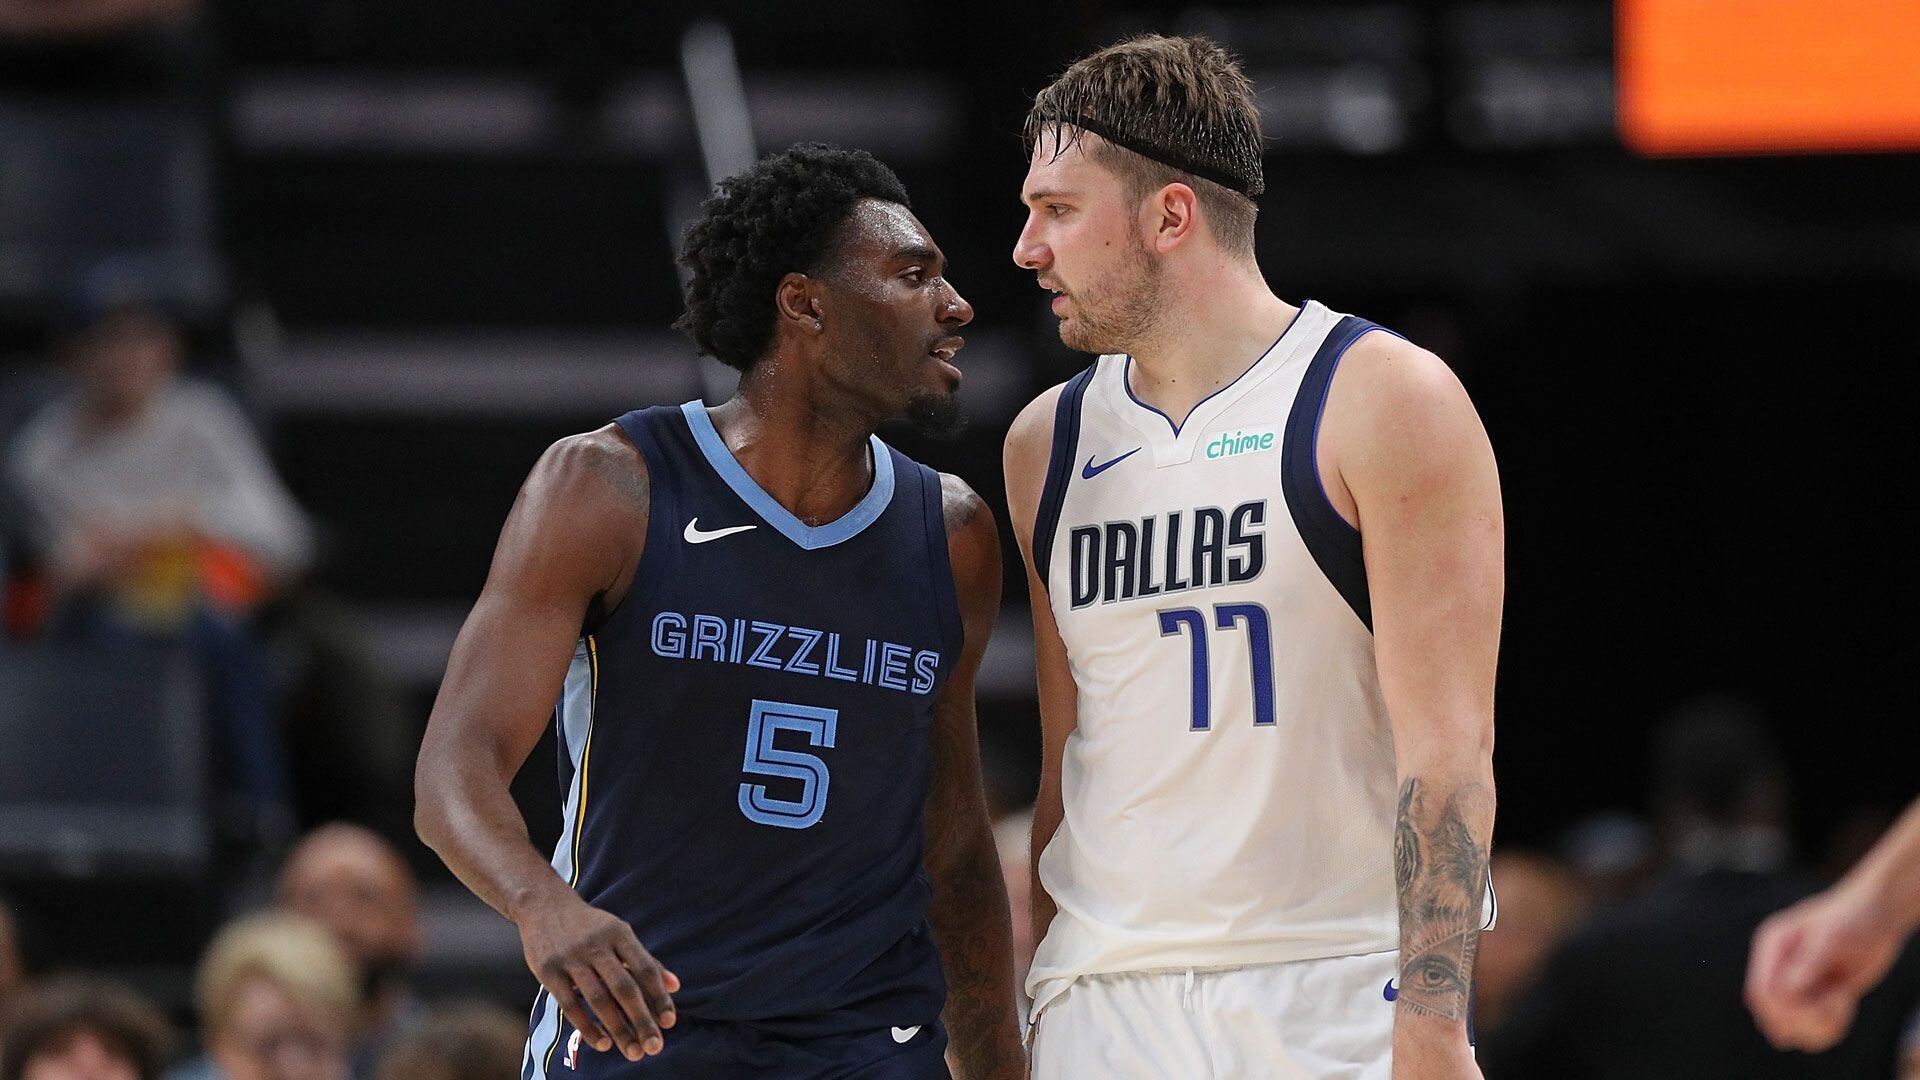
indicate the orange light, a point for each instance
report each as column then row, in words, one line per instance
column 1765, row 76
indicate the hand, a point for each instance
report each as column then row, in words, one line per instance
column 609, row 987
column 1812, row 963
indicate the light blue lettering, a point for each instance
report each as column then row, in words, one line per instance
column 763, row 652
column 833, row 669
column 709, row 632
column 893, row 666
column 926, row 668
column 670, row 635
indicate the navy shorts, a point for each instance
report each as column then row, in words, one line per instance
column 715, row 1050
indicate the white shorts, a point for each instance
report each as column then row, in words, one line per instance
column 1310, row 1020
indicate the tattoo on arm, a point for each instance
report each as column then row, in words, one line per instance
column 630, row 482
column 1440, row 864
column 971, row 923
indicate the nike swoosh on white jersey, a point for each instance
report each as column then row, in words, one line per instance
column 905, row 1034
column 695, row 535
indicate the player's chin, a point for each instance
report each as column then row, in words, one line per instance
column 936, row 413
column 1075, row 336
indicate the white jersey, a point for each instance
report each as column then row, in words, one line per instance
column 1230, row 789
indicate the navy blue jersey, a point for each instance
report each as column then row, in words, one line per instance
column 744, row 746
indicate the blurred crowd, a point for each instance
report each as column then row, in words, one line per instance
column 314, row 985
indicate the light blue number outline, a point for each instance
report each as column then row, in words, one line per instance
column 762, row 758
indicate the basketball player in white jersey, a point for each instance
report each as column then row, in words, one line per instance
column 1265, row 550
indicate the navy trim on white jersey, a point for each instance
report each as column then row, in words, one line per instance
column 1066, row 442
column 808, row 537
column 1333, row 543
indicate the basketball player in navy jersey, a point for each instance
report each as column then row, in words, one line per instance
column 761, row 625
column 1265, row 547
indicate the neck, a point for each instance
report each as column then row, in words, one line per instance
column 810, row 455
column 1218, row 321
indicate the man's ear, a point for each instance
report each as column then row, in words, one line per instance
column 798, row 302
column 1172, row 216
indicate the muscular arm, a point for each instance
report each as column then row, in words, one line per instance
column 1028, row 444
column 572, row 539
column 1411, row 466
column 969, row 906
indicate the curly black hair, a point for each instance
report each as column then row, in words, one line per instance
column 776, row 218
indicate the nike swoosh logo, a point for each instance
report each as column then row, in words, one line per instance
column 696, row 535
column 1090, row 470
column 1390, row 992
column 901, row 1035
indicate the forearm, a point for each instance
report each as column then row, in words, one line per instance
column 1889, row 875
column 973, row 928
column 465, row 813
column 1441, row 837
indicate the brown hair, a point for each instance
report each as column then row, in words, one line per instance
column 1167, row 110
column 48, row 1018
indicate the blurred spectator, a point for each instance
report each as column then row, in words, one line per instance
column 1612, row 852
column 1541, row 900
column 13, row 966
column 463, row 1041
column 82, row 1029
column 353, row 882
column 156, row 515
column 277, row 1001
column 1652, row 989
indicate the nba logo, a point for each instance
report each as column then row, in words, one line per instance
column 572, row 1060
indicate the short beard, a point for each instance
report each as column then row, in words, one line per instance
column 937, row 416
column 1116, row 321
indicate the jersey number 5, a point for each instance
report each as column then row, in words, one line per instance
column 1259, row 644
column 764, row 759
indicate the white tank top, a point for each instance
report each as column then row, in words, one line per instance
column 1230, row 789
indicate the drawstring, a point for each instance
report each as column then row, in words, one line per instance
column 1186, row 994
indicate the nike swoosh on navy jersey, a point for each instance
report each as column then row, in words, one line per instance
column 695, row 535
column 1090, row 470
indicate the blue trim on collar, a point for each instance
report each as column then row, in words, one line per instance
column 1126, row 374
column 808, row 537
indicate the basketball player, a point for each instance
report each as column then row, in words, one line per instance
column 762, row 626
column 1265, row 546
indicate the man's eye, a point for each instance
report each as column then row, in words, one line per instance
column 916, row 276
column 1056, row 209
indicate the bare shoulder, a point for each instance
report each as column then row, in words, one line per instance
column 1398, row 421
column 1030, row 437
column 973, row 551
column 1029, row 445
column 599, row 465
column 969, row 520
column 1398, row 385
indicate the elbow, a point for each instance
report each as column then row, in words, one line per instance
column 429, row 807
